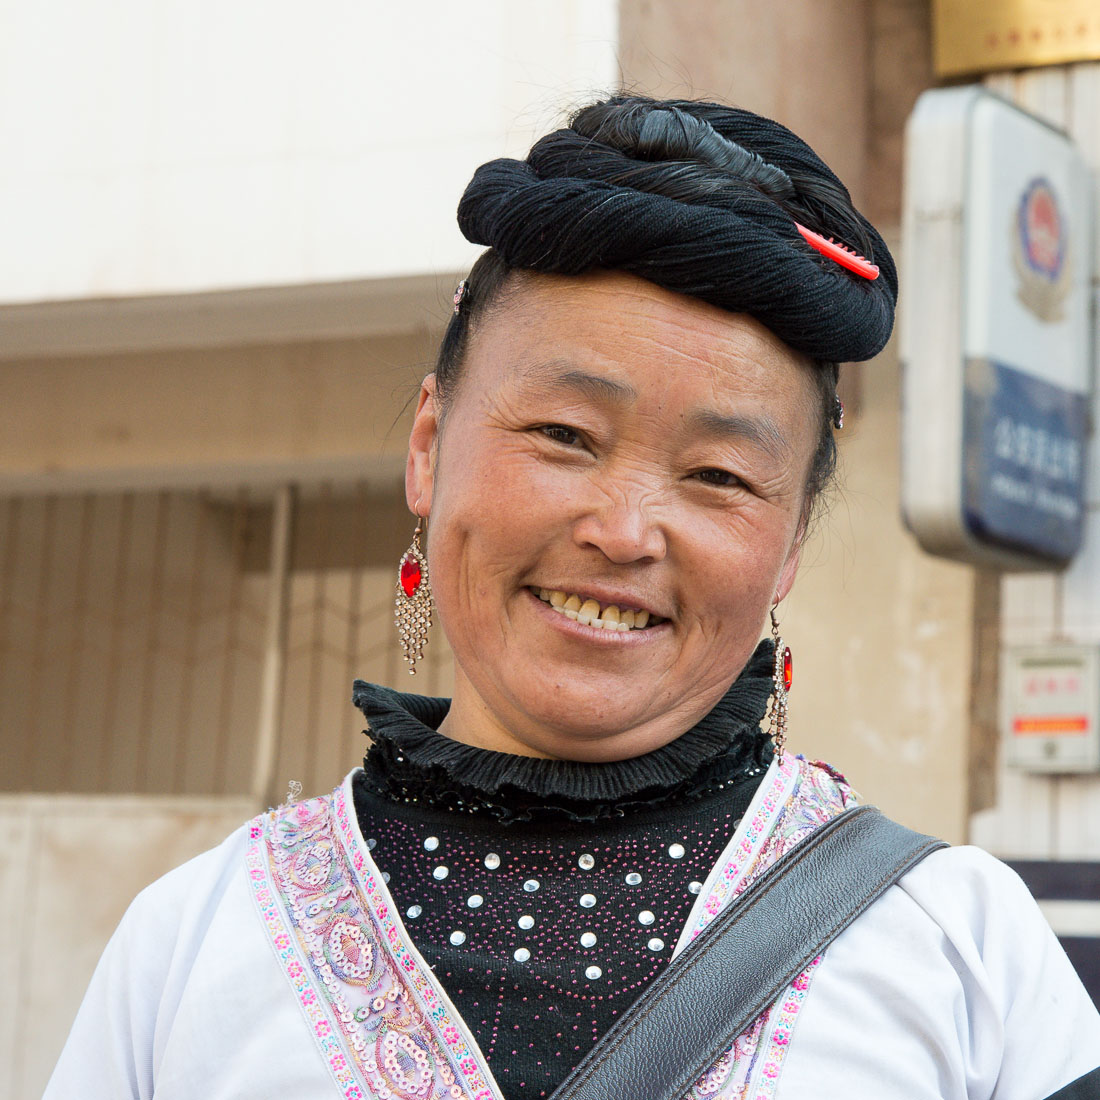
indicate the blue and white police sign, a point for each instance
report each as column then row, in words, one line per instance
column 995, row 332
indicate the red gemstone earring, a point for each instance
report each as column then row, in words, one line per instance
column 782, row 678
column 413, row 605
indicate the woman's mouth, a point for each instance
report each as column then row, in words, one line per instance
column 590, row 612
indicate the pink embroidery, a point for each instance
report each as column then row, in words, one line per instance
column 377, row 1020
column 447, row 1031
column 799, row 797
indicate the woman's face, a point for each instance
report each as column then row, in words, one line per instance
column 623, row 448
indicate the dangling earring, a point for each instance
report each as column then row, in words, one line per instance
column 413, row 606
column 782, row 677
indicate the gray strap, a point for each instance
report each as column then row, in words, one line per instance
column 736, row 968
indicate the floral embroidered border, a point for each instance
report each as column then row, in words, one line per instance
column 795, row 798
column 320, row 1024
column 462, row 1052
column 373, row 1012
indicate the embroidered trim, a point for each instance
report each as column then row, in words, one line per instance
column 731, row 874
column 467, row 1057
column 364, row 999
column 787, row 1011
column 795, row 798
column 320, row 1024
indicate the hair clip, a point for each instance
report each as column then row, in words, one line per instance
column 838, row 413
column 460, row 293
column 840, row 253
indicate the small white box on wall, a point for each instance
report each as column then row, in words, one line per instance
column 1050, row 713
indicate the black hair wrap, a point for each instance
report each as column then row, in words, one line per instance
column 701, row 199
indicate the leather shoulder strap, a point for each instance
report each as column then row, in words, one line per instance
column 736, row 968
column 1084, row 1088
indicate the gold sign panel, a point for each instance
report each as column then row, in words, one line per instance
column 975, row 36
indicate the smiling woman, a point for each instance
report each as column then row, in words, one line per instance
column 616, row 460
column 656, row 463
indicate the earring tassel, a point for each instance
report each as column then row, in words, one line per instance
column 782, row 678
column 413, row 603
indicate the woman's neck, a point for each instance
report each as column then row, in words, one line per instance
column 410, row 762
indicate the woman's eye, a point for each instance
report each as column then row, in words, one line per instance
column 560, row 434
column 719, row 477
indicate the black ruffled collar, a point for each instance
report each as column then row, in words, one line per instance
column 409, row 761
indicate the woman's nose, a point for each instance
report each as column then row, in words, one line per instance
column 624, row 527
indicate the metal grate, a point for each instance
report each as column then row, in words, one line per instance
column 135, row 630
column 129, row 642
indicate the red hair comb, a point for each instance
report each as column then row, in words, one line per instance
column 840, row 253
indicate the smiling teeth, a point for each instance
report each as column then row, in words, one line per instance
column 588, row 611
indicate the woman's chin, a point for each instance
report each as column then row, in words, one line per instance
column 569, row 691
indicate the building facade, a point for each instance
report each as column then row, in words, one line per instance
column 231, row 251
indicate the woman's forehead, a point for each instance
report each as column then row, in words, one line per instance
column 609, row 336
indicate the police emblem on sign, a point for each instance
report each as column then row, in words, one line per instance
column 1041, row 251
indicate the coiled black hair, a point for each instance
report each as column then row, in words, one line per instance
column 699, row 198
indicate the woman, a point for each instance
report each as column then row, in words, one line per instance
column 631, row 418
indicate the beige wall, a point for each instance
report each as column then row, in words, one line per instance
column 881, row 635
column 802, row 62
column 187, row 416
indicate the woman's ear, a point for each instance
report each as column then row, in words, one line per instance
column 420, row 465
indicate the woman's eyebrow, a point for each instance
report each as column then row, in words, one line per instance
column 760, row 430
column 595, row 387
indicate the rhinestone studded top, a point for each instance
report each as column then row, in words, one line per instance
column 543, row 938
column 544, row 898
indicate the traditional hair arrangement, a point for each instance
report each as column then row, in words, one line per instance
column 706, row 200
